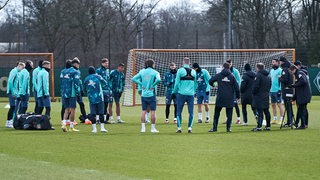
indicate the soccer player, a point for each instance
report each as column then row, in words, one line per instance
column 117, row 80
column 43, row 88
column 168, row 82
column 12, row 92
column 76, row 66
column 228, row 88
column 92, row 85
column 63, row 74
column 203, row 91
column 34, row 83
column 24, row 87
column 286, row 80
column 302, row 95
column 304, row 69
column 236, row 74
column 261, row 89
column 71, row 90
column 246, row 92
column 185, row 88
column 275, row 91
column 148, row 78
column 103, row 71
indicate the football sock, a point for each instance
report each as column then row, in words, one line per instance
column 200, row 116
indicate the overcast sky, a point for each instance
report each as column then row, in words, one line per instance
column 196, row 4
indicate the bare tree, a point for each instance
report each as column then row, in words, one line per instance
column 3, row 3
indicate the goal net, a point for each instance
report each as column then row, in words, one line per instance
column 210, row 59
column 9, row 60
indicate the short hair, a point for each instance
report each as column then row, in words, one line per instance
column 68, row 63
column 293, row 67
column 149, row 63
column 121, row 65
column 75, row 60
column 226, row 65
column 103, row 60
column 29, row 62
column 186, row 60
column 45, row 63
column 260, row 66
column 22, row 64
column 172, row 64
column 275, row 59
column 229, row 61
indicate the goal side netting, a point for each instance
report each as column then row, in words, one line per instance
column 210, row 59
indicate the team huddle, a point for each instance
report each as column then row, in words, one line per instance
column 182, row 86
column 253, row 89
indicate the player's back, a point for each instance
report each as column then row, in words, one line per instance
column 93, row 87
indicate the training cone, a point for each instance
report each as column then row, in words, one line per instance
column 88, row 122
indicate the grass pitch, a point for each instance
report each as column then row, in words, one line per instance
column 124, row 153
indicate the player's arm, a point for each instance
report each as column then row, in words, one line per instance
column 77, row 84
column 157, row 80
column 165, row 81
column 213, row 79
column 177, row 81
column 302, row 80
column 45, row 81
column 284, row 78
column 237, row 76
column 137, row 79
column 236, row 88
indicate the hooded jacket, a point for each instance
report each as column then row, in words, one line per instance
column 227, row 87
column 302, row 86
column 286, row 80
column 246, row 87
column 261, row 88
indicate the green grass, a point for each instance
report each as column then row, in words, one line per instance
column 124, row 153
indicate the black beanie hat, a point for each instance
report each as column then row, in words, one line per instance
column 247, row 67
column 91, row 70
column 283, row 59
column 195, row 65
column 297, row 63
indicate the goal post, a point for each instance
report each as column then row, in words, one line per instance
column 8, row 61
column 210, row 59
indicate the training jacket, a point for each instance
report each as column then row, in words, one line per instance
column 147, row 79
column 185, row 87
column 261, row 89
column 246, row 87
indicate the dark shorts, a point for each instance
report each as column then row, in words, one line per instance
column 70, row 102
column 107, row 96
column 44, row 102
column 149, row 101
column 97, row 109
column 24, row 100
column 35, row 96
column 12, row 100
column 170, row 98
column 116, row 97
column 79, row 99
column 275, row 98
column 202, row 97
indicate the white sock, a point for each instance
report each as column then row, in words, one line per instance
column 189, row 128
column 118, row 117
column 179, row 128
column 274, row 118
column 200, row 116
column 102, row 126
column 111, row 118
column 167, row 119
column 153, row 126
column 97, row 117
column 207, row 114
column 105, row 117
column 175, row 119
column 94, row 127
column 238, row 118
column 64, row 122
column 71, row 124
column 143, row 125
column 281, row 118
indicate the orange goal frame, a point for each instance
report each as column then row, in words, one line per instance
column 134, row 52
column 50, row 58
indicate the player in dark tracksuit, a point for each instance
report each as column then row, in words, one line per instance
column 227, row 87
column 246, row 92
column 302, row 95
column 305, row 70
column 260, row 91
column 286, row 80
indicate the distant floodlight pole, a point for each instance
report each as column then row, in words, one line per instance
column 229, row 24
